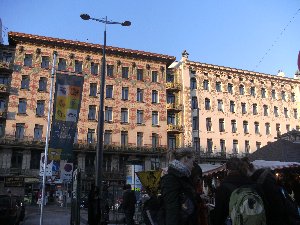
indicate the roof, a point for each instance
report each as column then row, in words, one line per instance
column 280, row 150
column 16, row 38
column 258, row 164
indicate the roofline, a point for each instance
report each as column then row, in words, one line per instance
column 246, row 72
column 18, row 38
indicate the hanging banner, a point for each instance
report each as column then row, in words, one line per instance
column 66, row 171
column 48, row 166
column 67, row 98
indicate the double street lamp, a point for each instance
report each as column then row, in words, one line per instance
column 100, row 142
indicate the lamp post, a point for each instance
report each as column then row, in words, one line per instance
column 99, row 152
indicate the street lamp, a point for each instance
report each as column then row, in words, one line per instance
column 99, row 153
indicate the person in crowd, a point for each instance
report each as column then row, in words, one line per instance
column 197, row 181
column 271, row 193
column 178, row 192
column 129, row 201
column 93, row 204
column 236, row 177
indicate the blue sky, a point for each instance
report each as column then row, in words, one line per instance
column 233, row 33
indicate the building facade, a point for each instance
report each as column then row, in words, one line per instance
column 232, row 112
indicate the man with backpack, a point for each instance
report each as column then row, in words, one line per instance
column 237, row 201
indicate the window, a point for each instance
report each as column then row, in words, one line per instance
column 263, row 92
column 242, row 90
column 170, row 98
column 233, row 126
column 235, row 146
column 2, row 104
column 208, row 124
column 28, row 60
column 230, row 88
column 78, row 66
column 196, row 143
column 139, row 139
column 171, row 118
column 62, row 64
column 254, row 109
column 256, row 127
column 252, row 91
column 293, row 98
column 94, row 68
column 125, row 71
column 3, row 79
column 38, row 132
column 275, row 111
column 154, row 118
column 140, row 117
column 206, row 85
column 139, row 74
column 221, row 125
column 22, row 106
column 155, row 140
column 170, row 78
column 45, row 62
column 107, row 137
column 295, row 113
column 286, row 113
column 25, row 82
column 43, row 84
column 283, row 96
column 154, row 76
column 194, row 102
column 220, row 105
column 278, row 128
column 124, row 138
column 93, row 89
column 139, row 95
column 267, row 125
column 193, row 83
column 20, row 130
column 92, row 112
column 110, row 70
column 266, row 110
column 244, row 109
column 124, row 115
column 124, row 93
column 109, row 91
column 91, row 136
column 154, row 96
column 273, row 94
column 195, row 123
column 108, row 114
column 245, row 127
column 16, row 159
column 35, row 160
column 232, row 106
column 209, row 145
column 207, row 103
column 288, row 128
column 222, row 145
column 218, row 86
column 247, row 146
column 40, row 108
column 6, row 57
column 258, row 145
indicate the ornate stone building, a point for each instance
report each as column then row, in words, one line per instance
column 135, row 104
column 230, row 112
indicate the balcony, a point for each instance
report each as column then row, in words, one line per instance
column 25, row 141
column 175, row 128
column 174, row 86
column 8, row 65
column 174, row 106
column 3, row 114
column 18, row 171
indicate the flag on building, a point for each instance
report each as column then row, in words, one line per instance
column 299, row 61
column 67, row 98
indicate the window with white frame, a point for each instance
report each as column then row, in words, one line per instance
column 124, row 138
column 293, row 97
column 266, row 110
column 125, row 72
column 286, row 112
column 43, row 84
column 209, row 145
column 171, row 118
column 230, row 88
column 110, row 70
column 247, row 146
column 194, row 102
column 62, row 64
column 20, row 130
column 140, row 117
column 38, row 132
column 155, row 140
column 92, row 112
column 139, row 74
column 252, row 91
column 107, row 137
column 295, row 113
column 258, row 145
column 94, row 68
column 125, row 92
column 22, row 106
column 91, row 136
column 218, row 86
column 154, row 96
column 139, row 95
column 267, row 125
column 220, row 105
column 283, row 95
column 254, row 109
column 235, row 146
column 154, row 118
column 195, row 124
column 207, row 104
column 109, row 91
column 233, row 126
column 93, row 89
column 139, row 139
column 40, row 108
column 222, row 145
column 273, row 94
column 108, row 114
column 221, row 125
column 245, row 127
column 45, row 62
column 154, row 76
column 124, row 115
column 288, row 127
column 256, row 127
column 244, row 109
column 28, row 60
column 276, row 111
column 25, row 82
column 208, row 124
column 232, row 106
column 78, row 66
column 193, row 83
column 242, row 89
column 170, row 98
column 206, row 85
column 263, row 93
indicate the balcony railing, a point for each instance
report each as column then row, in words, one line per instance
column 4, row 88
column 6, row 64
column 175, row 128
column 173, row 86
column 18, row 171
column 25, row 140
column 3, row 114
column 174, row 106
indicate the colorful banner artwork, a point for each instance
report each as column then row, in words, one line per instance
column 67, row 98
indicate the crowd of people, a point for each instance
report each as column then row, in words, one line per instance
column 243, row 196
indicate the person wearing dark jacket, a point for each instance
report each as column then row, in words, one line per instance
column 178, row 193
column 129, row 201
column 236, row 177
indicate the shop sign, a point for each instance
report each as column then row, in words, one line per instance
column 13, row 181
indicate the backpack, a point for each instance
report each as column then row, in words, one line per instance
column 246, row 207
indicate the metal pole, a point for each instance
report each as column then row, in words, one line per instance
column 47, row 136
